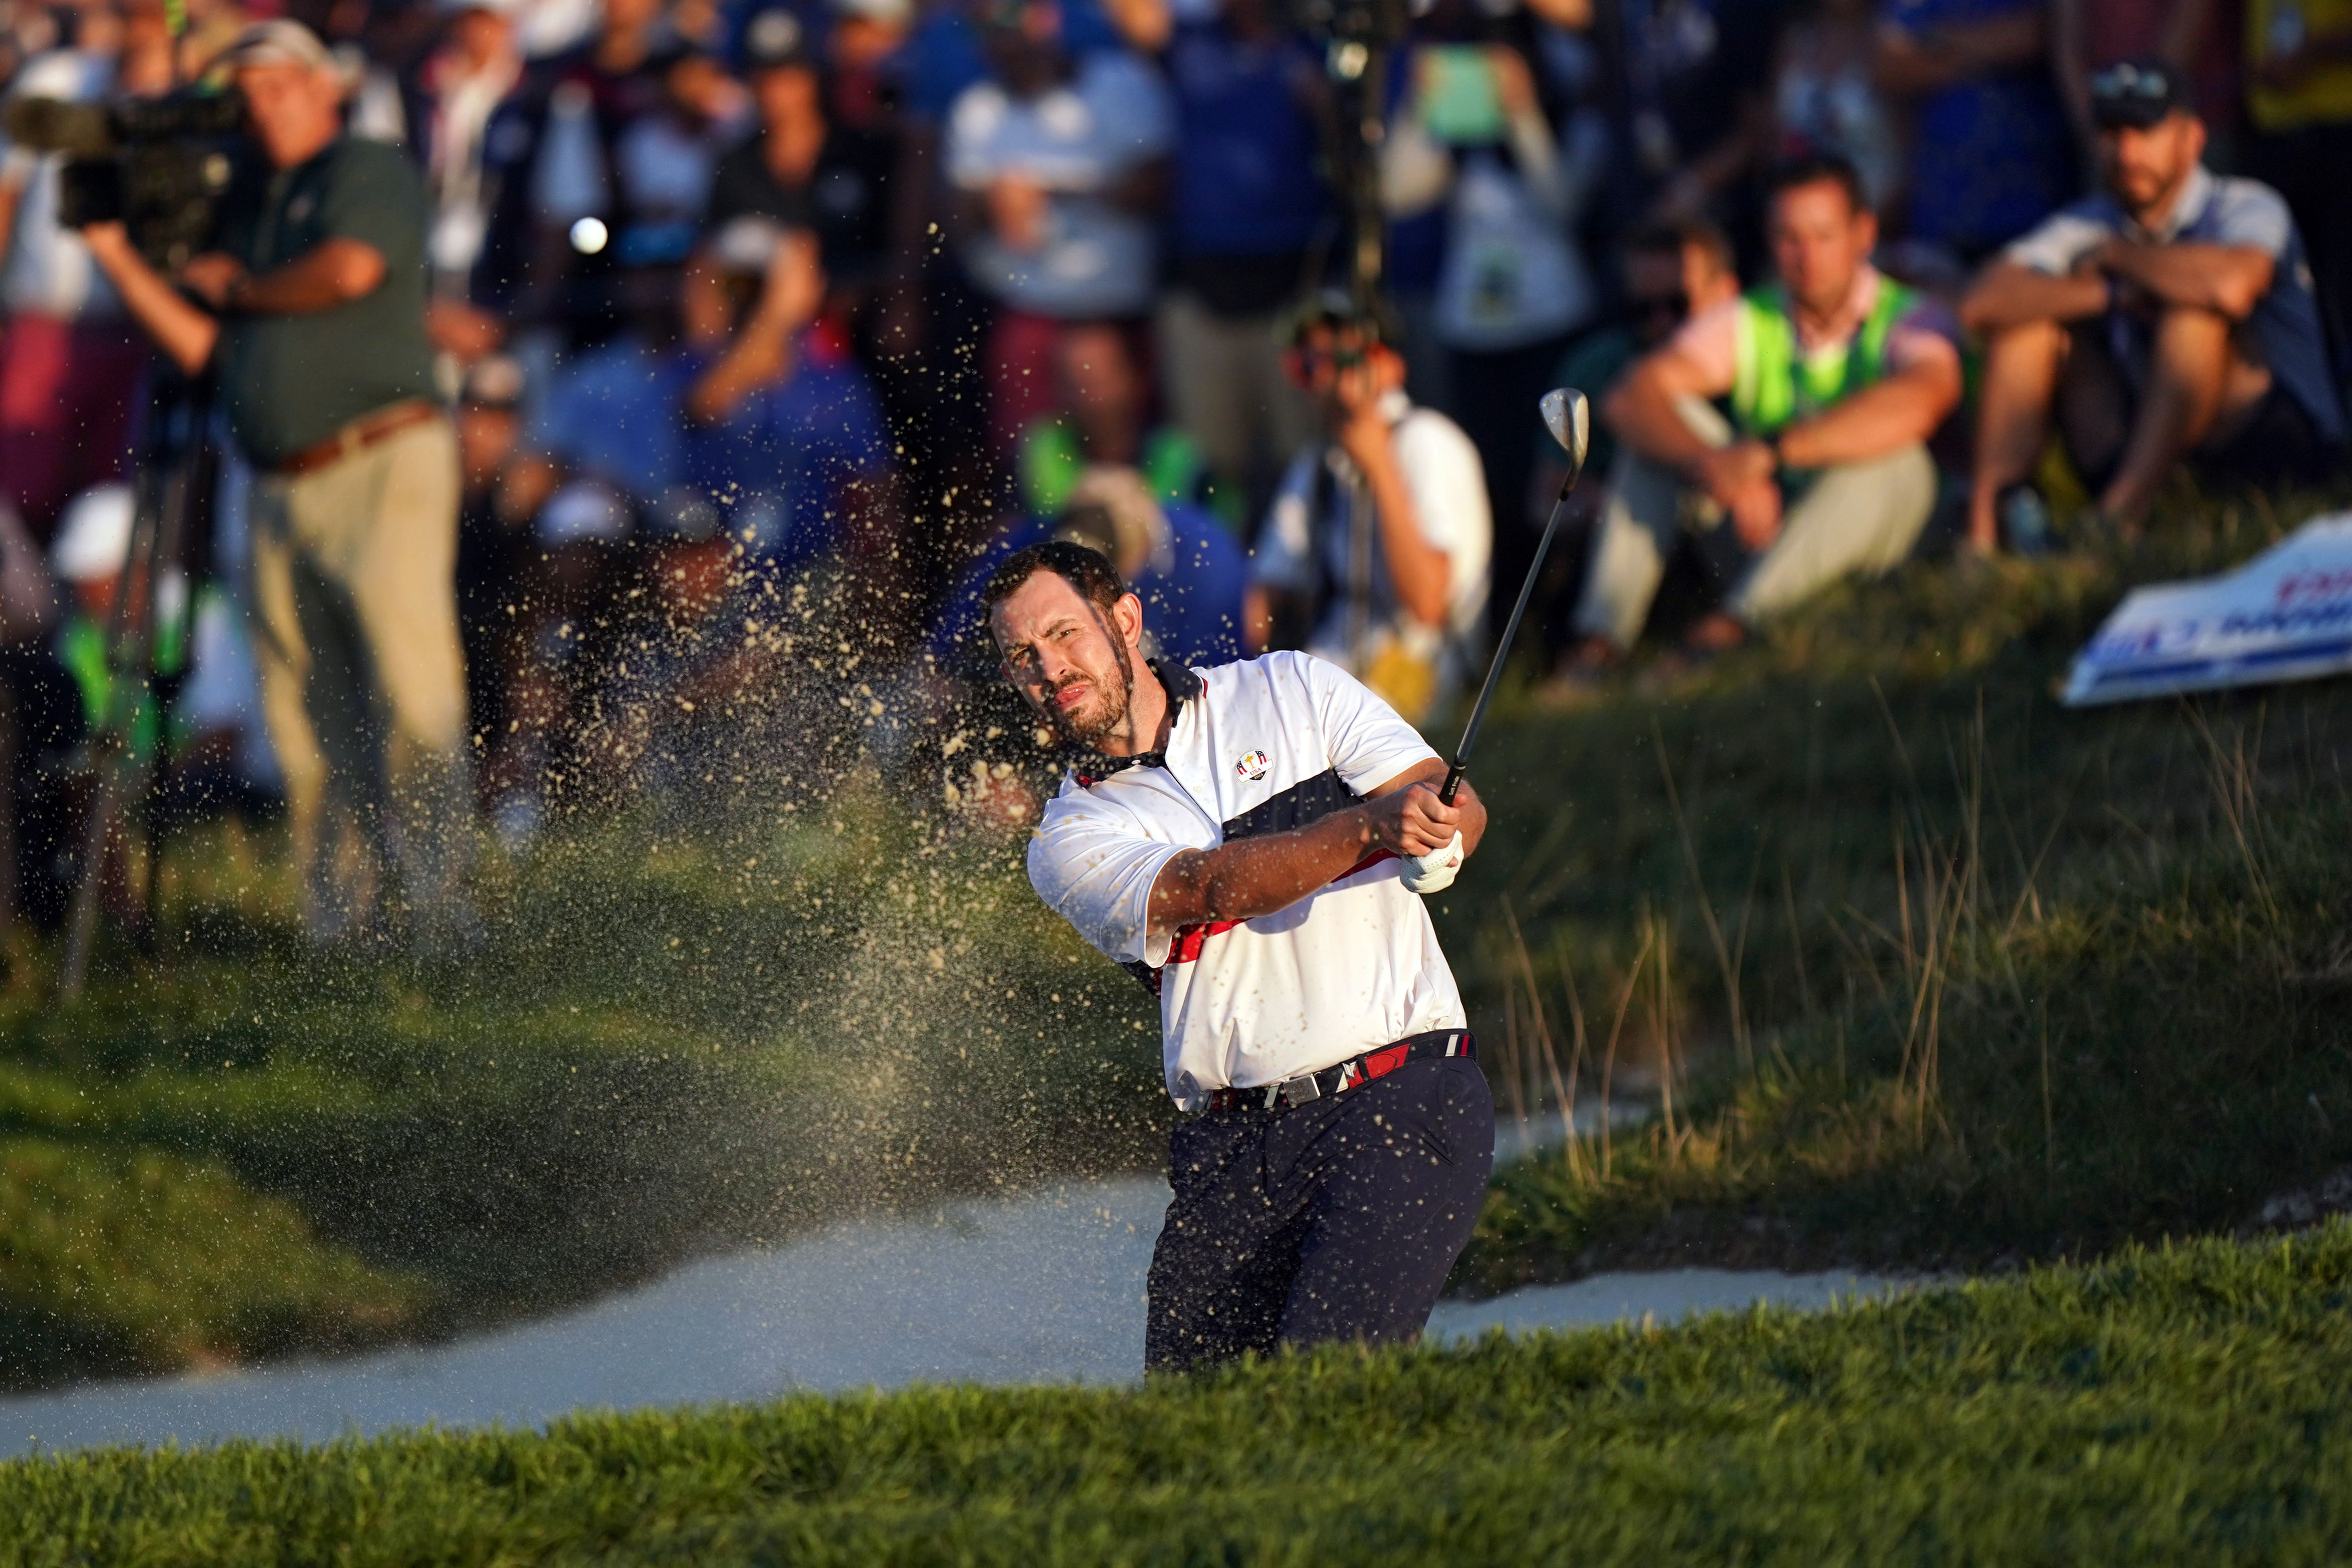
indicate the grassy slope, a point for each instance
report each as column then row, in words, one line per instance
column 666, row 1043
column 1994, row 978
column 2182, row 1405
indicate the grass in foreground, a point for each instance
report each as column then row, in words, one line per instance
column 2192, row 1404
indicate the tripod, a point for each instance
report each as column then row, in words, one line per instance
column 172, row 492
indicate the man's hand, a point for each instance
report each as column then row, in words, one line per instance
column 1412, row 821
column 1740, row 479
column 211, row 277
column 1017, row 210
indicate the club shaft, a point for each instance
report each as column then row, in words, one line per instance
column 1502, row 648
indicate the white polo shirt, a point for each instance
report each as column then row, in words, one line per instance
column 1260, row 747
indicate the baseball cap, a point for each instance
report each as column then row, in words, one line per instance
column 2135, row 93
column 279, row 42
column 775, row 39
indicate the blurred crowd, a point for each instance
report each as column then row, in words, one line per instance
column 769, row 328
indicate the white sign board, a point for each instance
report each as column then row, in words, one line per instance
column 2286, row 615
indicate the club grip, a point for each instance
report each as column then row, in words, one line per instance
column 1453, row 782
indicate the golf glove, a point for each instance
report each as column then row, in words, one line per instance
column 1434, row 872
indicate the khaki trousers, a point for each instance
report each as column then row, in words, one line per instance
column 354, row 597
column 1862, row 517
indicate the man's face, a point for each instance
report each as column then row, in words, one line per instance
column 2142, row 168
column 1820, row 243
column 787, row 96
column 295, row 111
column 480, row 35
column 1074, row 663
column 1024, row 42
column 1337, row 368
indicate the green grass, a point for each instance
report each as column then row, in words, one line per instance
column 2187, row 1404
column 1936, row 971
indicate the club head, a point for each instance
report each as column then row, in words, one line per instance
column 1569, row 417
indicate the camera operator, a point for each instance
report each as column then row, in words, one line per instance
column 1382, row 530
column 312, row 316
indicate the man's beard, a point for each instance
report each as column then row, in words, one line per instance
column 1075, row 727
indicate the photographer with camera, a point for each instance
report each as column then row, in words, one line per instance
column 1380, row 536
column 311, row 314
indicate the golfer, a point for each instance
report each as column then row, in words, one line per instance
column 1248, row 840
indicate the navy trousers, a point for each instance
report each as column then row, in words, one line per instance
column 1337, row 1220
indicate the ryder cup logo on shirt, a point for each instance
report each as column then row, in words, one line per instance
column 1252, row 767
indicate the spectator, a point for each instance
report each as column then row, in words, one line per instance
column 1375, row 553
column 610, row 415
column 802, row 170
column 1060, row 165
column 2169, row 318
column 1989, row 153
column 326, row 375
column 1246, row 212
column 69, row 364
column 784, row 435
column 1836, row 375
column 2300, row 100
column 1503, row 148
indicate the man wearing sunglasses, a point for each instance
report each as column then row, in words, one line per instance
column 2169, row 319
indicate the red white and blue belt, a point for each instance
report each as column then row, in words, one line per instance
column 1352, row 1073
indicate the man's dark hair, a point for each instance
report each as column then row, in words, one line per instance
column 1673, row 236
column 1088, row 571
column 1817, row 169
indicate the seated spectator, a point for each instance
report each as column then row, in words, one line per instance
column 785, row 437
column 610, row 414
column 2168, row 320
column 1836, row 377
column 1375, row 553
column 1059, row 162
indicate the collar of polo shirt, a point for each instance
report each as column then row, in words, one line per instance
column 1182, row 686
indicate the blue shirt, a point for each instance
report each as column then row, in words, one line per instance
column 1990, row 157
column 2212, row 210
column 1246, row 150
column 1191, row 598
column 612, row 413
column 775, row 467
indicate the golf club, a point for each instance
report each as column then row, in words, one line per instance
column 1569, row 417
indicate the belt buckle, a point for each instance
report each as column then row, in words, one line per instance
column 1298, row 1091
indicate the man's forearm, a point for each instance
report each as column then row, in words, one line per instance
column 2010, row 295
column 2224, row 278
column 1642, row 414
column 1420, row 573
column 336, row 273
column 1898, row 412
column 1262, row 875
